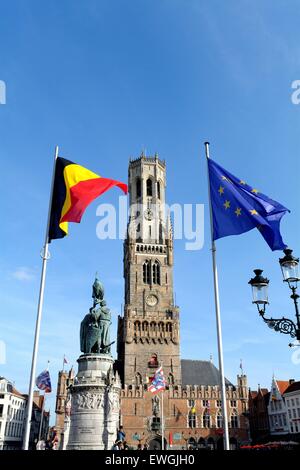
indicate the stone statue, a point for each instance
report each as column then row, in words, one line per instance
column 104, row 326
column 155, row 406
column 95, row 327
column 98, row 291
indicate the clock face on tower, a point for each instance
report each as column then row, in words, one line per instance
column 148, row 214
column 151, row 300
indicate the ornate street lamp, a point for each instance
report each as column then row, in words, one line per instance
column 259, row 286
column 290, row 268
column 290, row 272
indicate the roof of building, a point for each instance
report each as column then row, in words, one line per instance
column 293, row 387
column 282, row 385
column 200, row 373
column 17, row 393
column 261, row 392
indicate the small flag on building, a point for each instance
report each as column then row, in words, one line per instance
column 43, row 381
column 66, row 360
column 158, row 382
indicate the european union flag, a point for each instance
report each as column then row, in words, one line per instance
column 237, row 207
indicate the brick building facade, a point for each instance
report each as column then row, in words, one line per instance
column 65, row 380
column 258, row 415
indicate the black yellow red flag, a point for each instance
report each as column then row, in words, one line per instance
column 75, row 187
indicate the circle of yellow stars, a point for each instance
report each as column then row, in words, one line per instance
column 227, row 203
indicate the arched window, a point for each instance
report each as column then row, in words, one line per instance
column 233, row 443
column 210, row 443
column 206, row 419
column 156, row 272
column 158, row 189
column 138, row 187
column 201, row 443
column 192, row 443
column 137, row 328
column 146, row 272
column 161, row 328
column 192, row 419
column 149, row 187
column 234, row 423
column 219, row 420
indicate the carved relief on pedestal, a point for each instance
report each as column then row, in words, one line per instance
column 87, row 401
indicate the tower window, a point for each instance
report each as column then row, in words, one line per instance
column 156, row 272
column 138, row 187
column 146, row 272
column 149, row 187
column 158, row 189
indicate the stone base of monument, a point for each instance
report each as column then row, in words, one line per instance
column 95, row 396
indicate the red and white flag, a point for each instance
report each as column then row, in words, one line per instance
column 158, row 382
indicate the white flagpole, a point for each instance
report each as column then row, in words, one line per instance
column 45, row 257
column 218, row 315
column 162, row 422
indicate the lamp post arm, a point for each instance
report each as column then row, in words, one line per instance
column 283, row 325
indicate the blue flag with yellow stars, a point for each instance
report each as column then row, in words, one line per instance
column 238, row 207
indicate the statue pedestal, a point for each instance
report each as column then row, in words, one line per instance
column 95, row 395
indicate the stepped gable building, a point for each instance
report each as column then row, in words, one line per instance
column 149, row 335
column 277, row 410
column 258, row 415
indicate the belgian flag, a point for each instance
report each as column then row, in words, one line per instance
column 74, row 188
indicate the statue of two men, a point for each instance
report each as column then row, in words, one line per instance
column 95, row 327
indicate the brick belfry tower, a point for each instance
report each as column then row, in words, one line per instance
column 148, row 334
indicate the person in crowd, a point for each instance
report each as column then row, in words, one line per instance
column 121, row 434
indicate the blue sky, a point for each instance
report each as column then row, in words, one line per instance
column 106, row 79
